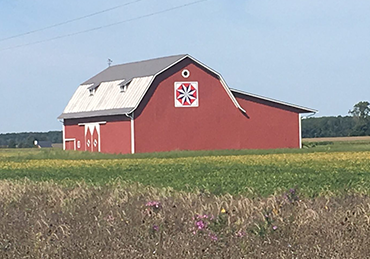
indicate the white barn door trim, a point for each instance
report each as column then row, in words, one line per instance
column 90, row 128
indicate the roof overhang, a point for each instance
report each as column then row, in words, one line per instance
column 299, row 109
column 77, row 115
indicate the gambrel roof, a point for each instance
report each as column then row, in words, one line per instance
column 119, row 89
column 105, row 93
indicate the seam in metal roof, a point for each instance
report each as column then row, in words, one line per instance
column 303, row 109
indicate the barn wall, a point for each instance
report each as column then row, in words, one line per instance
column 74, row 131
column 115, row 134
column 269, row 125
column 116, row 137
column 215, row 124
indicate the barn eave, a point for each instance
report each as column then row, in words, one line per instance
column 89, row 114
column 297, row 108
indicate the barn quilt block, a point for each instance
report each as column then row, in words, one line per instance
column 186, row 94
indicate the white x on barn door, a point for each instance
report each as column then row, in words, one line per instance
column 92, row 137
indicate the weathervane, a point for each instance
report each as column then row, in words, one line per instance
column 109, row 62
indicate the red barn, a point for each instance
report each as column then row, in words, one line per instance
column 174, row 103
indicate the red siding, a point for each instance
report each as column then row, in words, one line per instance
column 70, row 145
column 73, row 131
column 115, row 135
column 215, row 124
column 268, row 126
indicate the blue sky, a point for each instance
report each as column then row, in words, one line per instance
column 312, row 53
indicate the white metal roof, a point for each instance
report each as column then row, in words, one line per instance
column 108, row 97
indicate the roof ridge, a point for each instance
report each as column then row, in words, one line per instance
column 151, row 59
column 134, row 69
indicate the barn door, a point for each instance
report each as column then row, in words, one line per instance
column 70, row 144
column 92, row 137
column 87, row 139
column 95, row 140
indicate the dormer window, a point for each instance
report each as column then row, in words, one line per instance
column 123, row 88
column 123, row 85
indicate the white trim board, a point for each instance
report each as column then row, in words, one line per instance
column 69, row 139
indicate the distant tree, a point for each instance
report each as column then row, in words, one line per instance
column 26, row 139
column 318, row 127
column 361, row 116
column 361, row 110
column 11, row 144
column 21, row 145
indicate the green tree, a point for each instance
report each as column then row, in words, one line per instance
column 361, row 116
column 318, row 127
column 25, row 139
column 11, row 144
column 361, row 110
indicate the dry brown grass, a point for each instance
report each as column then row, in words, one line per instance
column 46, row 220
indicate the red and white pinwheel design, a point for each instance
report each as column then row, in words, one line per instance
column 186, row 94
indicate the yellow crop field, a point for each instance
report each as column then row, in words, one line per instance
column 264, row 174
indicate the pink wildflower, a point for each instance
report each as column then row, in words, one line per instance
column 213, row 237
column 154, row 204
column 110, row 218
column 240, row 233
column 201, row 224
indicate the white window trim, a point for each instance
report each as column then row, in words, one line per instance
column 69, row 139
column 185, row 71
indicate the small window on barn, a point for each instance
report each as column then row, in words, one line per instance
column 185, row 73
column 91, row 91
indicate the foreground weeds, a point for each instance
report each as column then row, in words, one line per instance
column 48, row 220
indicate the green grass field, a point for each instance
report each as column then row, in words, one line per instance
column 324, row 168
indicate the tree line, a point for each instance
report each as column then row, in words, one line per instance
column 26, row 139
column 357, row 123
